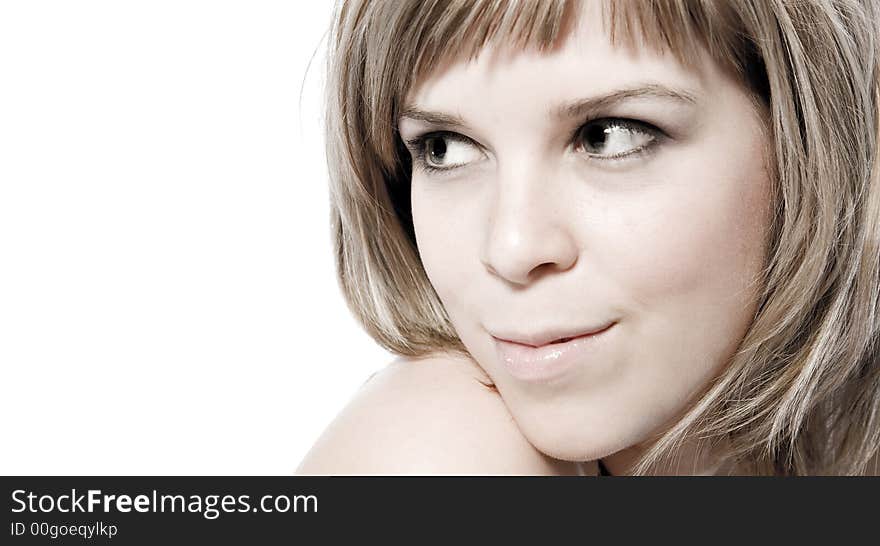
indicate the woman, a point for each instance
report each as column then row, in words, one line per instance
column 651, row 229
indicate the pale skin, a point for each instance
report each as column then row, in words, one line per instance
column 425, row 417
column 528, row 225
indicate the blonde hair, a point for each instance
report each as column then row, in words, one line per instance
column 802, row 394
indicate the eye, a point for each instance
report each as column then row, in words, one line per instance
column 443, row 151
column 614, row 138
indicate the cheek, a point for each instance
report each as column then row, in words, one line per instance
column 688, row 258
column 710, row 235
column 445, row 235
column 710, row 239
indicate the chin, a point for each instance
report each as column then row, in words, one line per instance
column 586, row 433
column 579, row 449
column 578, row 444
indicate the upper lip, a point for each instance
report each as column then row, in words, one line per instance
column 537, row 339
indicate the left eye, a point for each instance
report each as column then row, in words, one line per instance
column 614, row 138
column 445, row 151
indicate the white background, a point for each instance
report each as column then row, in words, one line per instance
column 168, row 303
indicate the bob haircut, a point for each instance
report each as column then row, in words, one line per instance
column 801, row 395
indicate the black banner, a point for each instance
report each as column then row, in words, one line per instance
column 276, row 510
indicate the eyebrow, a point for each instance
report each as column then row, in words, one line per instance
column 581, row 107
column 574, row 109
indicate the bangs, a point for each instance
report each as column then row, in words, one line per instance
column 443, row 32
column 414, row 39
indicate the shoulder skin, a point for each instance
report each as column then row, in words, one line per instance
column 428, row 416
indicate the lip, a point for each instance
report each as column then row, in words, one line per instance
column 549, row 336
column 550, row 361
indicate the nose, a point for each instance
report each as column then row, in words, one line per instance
column 527, row 235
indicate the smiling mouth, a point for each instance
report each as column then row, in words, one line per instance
column 560, row 340
column 552, row 361
column 567, row 339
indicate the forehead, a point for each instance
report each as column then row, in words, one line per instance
column 584, row 60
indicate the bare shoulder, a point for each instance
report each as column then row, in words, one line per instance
column 427, row 416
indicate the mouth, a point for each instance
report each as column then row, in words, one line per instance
column 552, row 338
column 566, row 339
column 556, row 359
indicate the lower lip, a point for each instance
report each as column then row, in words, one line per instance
column 548, row 362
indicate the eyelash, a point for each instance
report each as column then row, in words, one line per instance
column 418, row 144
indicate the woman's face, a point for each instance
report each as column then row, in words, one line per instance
column 561, row 193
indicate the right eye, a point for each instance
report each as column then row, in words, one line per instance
column 444, row 151
column 617, row 138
